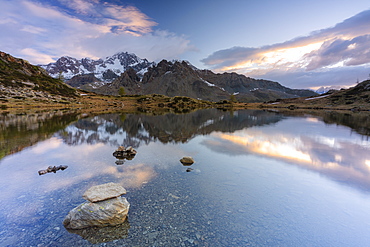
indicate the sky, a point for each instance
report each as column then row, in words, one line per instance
column 300, row 44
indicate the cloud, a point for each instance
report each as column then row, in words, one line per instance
column 39, row 56
column 126, row 19
column 154, row 46
column 346, row 44
column 343, row 77
column 80, row 6
column 349, row 52
column 41, row 32
column 33, row 29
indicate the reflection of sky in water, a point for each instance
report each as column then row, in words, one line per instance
column 247, row 186
column 85, row 161
column 331, row 150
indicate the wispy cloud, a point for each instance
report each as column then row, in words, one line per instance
column 126, row 19
column 33, row 29
column 41, row 32
column 345, row 44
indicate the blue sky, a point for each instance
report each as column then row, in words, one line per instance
column 300, row 44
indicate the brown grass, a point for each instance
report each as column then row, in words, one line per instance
column 159, row 104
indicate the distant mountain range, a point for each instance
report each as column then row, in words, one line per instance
column 134, row 75
column 322, row 90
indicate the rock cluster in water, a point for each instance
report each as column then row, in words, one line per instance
column 52, row 169
column 105, row 207
column 123, row 153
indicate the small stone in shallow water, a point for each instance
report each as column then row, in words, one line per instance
column 187, row 161
column 120, row 162
column 42, row 172
column 103, row 192
column 109, row 212
column 62, row 167
column 52, row 169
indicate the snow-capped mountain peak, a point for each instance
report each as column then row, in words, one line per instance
column 104, row 69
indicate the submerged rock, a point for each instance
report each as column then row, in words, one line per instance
column 120, row 162
column 187, row 161
column 103, row 192
column 97, row 235
column 109, row 212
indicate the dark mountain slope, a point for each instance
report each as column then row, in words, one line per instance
column 182, row 79
column 252, row 90
column 356, row 98
column 18, row 73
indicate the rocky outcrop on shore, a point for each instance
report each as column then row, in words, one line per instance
column 18, row 73
column 27, row 92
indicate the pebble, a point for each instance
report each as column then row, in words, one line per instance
column 190, row 240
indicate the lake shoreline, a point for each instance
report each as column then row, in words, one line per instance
column 159, row 104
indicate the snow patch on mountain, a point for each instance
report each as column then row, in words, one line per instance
column 208, row 83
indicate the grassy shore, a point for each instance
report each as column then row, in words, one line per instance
column 159, row 104
column 316, row 104
column 90, row 102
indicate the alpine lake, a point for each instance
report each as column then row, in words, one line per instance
column 260, row 178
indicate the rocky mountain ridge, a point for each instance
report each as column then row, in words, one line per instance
column 180, row 78
column 170, row 78
column 104, row 70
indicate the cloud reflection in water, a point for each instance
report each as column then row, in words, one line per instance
column 345, row 160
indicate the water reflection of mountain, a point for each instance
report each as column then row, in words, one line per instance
column 18, row 131
column 357, row 121
column 134, row 130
